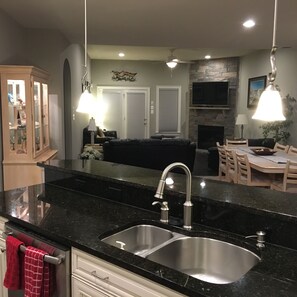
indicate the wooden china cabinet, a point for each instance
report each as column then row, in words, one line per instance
column 25, row 125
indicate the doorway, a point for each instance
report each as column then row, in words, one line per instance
column 125, row 110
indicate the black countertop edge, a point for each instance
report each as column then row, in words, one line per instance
column 272, row 203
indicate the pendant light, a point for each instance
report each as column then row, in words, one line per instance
column 270, row 103
column 86, row 100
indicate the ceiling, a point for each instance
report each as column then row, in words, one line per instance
column 147, row 29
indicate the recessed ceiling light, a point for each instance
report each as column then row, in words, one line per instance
column 249, row 24
column 121, row 55
column 207, row 57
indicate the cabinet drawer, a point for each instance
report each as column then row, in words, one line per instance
column 2, row 225
column 82, row 288
column 112, row 277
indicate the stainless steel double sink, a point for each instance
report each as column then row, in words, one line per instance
column 204, row 258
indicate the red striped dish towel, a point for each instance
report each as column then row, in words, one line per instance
column 37, row 280
column 13, row 279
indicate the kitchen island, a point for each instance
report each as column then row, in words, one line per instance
column 83, row 200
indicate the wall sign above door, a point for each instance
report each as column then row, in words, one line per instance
column 123, row 75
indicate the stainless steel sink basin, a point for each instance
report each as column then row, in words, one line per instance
column 139, row 239
column 207, row 259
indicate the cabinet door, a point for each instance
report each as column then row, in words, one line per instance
column 113, row 279
column 3, row 290
column 40, row 117
column 45, row 120
column 83, row 289
column 15, row 120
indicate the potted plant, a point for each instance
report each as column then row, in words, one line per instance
column 279, row 129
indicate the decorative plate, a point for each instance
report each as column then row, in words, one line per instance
column 263, row 151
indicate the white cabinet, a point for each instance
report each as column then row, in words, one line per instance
column 3, row 290
column 93, row 277
column 84, row 289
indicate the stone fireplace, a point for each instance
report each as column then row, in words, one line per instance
column 209, row 135
column 214, row 70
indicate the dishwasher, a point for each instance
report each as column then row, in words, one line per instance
column 59, row 257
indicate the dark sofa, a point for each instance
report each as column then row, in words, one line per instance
column 100, row 136
column 213, row 155
column 150, row 153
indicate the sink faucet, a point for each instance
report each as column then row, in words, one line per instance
column 188, row 204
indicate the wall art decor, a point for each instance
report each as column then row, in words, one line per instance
column 255, row 89
column 123, row 75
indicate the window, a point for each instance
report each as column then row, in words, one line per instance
column 168, row 109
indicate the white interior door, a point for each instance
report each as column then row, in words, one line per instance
column 126, row 110
column 136, row 120
column 112, row 116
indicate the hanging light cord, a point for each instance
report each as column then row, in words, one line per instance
column 272, row 75
column 84, row 81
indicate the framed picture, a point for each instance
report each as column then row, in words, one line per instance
column 255, row 89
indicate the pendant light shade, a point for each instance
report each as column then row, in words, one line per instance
column 270, row 103
column 270, row 106
column 86, row 102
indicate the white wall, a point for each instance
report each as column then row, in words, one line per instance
column 258, row 64
column 149, row 74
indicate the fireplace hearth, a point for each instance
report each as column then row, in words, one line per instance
column 209, row 135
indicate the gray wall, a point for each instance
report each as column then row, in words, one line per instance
column 36, row 47
column 40, row 48
column 149, row 74
column 12, row 49
column 258, row 64
column 77, row 121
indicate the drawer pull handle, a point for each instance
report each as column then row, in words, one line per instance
column 2, row 250
column 105, row 279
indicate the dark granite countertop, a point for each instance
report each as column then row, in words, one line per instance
column 257, row 200
column 77, row 219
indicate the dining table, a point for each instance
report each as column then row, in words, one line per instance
column 274, row 163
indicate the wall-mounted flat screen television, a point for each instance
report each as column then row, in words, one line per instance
column 213, row 93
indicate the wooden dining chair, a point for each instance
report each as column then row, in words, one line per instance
column 292, row 150
column 280, row 147
column 289, row 181
column 231, row 175
column 249, row 177
column 222, row 163
column 230, row 142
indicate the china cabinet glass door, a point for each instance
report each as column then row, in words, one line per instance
column 45, row 124
column 37, row 116
column 40, row 116
column 16, row 100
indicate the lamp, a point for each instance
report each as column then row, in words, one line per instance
column 86, row 98
column 93, row 128
column 241, row 120
column 270, row 103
